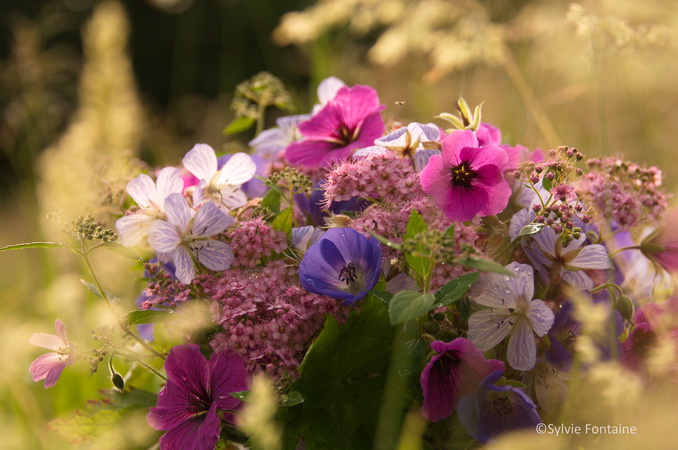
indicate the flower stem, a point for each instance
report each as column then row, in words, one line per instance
column 150, row 368
column 619, row 250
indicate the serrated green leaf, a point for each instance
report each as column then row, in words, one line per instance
column 342, row 379
column 32, row 245
column 384, row 296
column 283, row 221
column 272, row 200
column 291, row 399
column 531, row 229
column 415, row 225
column 407, row 305
column 422, row 265
column 238, row 125
column 483, row 265
column 122, row 250
column 449, row 233
column 150, row 316
column 455, row 289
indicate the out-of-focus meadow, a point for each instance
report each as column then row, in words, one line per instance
column 92, row 92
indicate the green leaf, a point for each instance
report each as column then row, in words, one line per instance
column 548, row 184
column 342, row 379
column 385, row 241
column 384, row 296
column 415, row 225
column 122, row 250
column 150, row 316
column 95, row 291
column 32, row 245
column 531, row 229
column 449, row 233
column 240, row 395
column 283, row 221
column 455, row 289
column 238, row 125
column 272, row 200
column 407, row 305
column 483, row 265
column 291, row 399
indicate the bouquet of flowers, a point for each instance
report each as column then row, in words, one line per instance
column 351, row 283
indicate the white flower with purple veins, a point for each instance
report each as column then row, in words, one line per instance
column 150, row 197
column 186, row 237
column 270, row 143
column 219, row 186
column 408, row 140
column 511, row 312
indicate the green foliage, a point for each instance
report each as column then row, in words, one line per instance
column 455, row 289
column 407, row 305
column 531, row 229
column 483, row 265
column 32, row 245
column 284, row 221
column 419, row 260
column 271, row 200
column 150, row 316
column 341, row 380
column 239, row 124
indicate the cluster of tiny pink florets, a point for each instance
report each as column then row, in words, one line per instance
column 253, row 240
column 268, row 318
column 385, row 177
column 162, row 289
column 625, row 192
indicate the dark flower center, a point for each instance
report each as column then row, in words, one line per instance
column 502, row 405
column 352, row 278
column 345, row 135
column 449, row 361
column 348, row 274
column 463, row 175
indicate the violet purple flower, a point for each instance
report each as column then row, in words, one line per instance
column 342, row 264
column 495, row 409
column 196, row 390
column 456, row 370
column 186, row 238
column 349, row 121
column 467, row 180
column 511, row 311
column 49, row 366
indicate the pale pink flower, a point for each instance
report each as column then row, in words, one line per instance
column 49, row 366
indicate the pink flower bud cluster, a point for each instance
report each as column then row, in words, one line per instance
column 254, row 239
column 268, row 318
column 625, row 192
column 162, row 289
column 384, row 176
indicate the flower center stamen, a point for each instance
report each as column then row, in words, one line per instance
column 348, row 274
column 462, row 175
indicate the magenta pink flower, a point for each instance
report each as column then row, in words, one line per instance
column 662, row 244
column 456, row 370
column 349, row 121
column 49, row 366
column 196, row 390
column 467, row 180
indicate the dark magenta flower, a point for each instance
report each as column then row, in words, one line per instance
column 196, row 390
column 496, row 409
column 343, row 264
column 456, row 370
column 349, row 121
column 467, row 180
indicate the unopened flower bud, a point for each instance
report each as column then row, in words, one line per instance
column 624, row 305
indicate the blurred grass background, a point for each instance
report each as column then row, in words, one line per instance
column 93, row 91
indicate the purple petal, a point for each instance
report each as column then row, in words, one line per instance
column 315, row 153
column 201, row 161
column 209, row 221
column 591, row 257
column 487, row 328
column 464, row 203
column 228, row 375
column 578, row 280
column 185, row 269
column 163, row 236
column 178, row 212
column 188, row 369
column 455, row 142
column 197, row 433
column 355, row 104
column 522, row 347
column 421, row 158
column 215, row 255
column 436, row 178
column 490, row 155
column 519, row 220
column 540, row 316
column 173, row 408
column 498, row 197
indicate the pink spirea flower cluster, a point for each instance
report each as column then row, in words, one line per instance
column 268, row 318
column 253, row 240
column 624, row 191
column 162, row 289
column 383, row 176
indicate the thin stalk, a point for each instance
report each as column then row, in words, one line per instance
column 619, row 250
column 150, row 368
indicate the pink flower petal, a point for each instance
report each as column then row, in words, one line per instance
column 48, row 341
column 228, row 375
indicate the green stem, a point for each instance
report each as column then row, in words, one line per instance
column 126, row 331
column 261, row 110
column 150, row 368
column 610, row 286
column 619, row 250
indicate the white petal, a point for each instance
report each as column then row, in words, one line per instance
column 371, row 150
column 501, row 291
column 201, row 161
column 591, row 257
column 169, row 182
column 178, row 212
column 238, row 170
column 230, row 197
column 522, row 347
column 48, row 341
column 163, row 236
column 142, row 190
column 328, row 88
column 133, row 228
column 430, row 131
column 540, row 317
column 210, row 220
column 519, row 220
column 215, row 255
column 185, row 270
column 578, row 280
column 487, row 328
